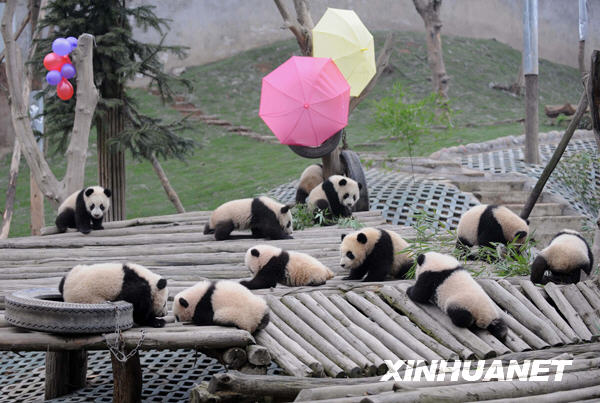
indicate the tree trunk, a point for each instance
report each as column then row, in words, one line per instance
column 111, row 162
column 162, row 176
column 36, row 207
column 10, row 192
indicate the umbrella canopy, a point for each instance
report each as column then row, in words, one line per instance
column 341, row 35
column 305, row 101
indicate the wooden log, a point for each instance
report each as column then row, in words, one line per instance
column 65, row 372
column 314, row 338
column 583, row 308
column 590, row 295
column 568, row 312
column 514, row 291
column 515, row 343
column 492, row 341
column 410, row 327
column 127, row 379
column 398, row 299
column 295, row 349
column 327, row 333
column 258, row 355
column 291, row 364
column 578, row 394
column 551, row 352
column 520, row 312
column 523, row 332
column 593, row 286
column 234, row 357
column 343, row 391
column 341, row 330
column 549, row 312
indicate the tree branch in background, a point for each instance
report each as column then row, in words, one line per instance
column 171, row 194
column 10, row 192
column 301, row 27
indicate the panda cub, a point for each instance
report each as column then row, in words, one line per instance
column 566, row 257
column 442, row 280
column 82, row 207
column 262, row 215
column 130, row 282
column 224, row 303
column 271, row 265
column 375, row 252
column 481, row 225
column 337, row 193
column 310, row 178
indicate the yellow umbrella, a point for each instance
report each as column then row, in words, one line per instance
column 342, row 36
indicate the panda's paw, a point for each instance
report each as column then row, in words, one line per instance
column 349, row 278
column 96, row 227
column 85, row 230
column 158, row 322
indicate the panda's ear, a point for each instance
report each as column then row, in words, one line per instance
column 420, row 259
column 183, row 302
column 162, row 283
column 527, row 221
column 107, row 192
column 343, row 236
column 285, row 209
column 89, row 191
column 362, row 238
column 359, row 186
column 254, row 252
column 342, row 182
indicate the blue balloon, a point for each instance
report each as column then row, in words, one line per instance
column 53, row 77
column 61, row 47
column 67, row 71
column 73, row 41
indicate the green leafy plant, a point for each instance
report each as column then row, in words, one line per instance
column 303, row 218
column 514, row 259
column 350, row 222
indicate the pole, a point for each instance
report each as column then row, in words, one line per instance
column 583, row 23
column 530, row 70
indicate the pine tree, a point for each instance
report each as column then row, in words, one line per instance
column 118, row 58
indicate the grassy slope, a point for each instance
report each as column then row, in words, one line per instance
column 228, row 166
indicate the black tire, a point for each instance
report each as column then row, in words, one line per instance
column 43, row 309
column 317, row 152
column 353, row 170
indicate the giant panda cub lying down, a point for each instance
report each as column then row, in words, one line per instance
column 337, row 194
column 443, row 281
column 224, row 303
column 565, row 258
column 311, row 177
column 82, row 208
column 271, row 265
column 262, row 215
column 130, row 282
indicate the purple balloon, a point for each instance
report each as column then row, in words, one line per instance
column 61, row 47
column 53, row 77
column 73, row 41
column 67, row 71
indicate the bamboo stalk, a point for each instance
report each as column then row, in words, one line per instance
column 583, row 308
column 291, row 364
column 568, row 312
column 294, row 348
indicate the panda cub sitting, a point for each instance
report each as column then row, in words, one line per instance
column 262, row 215
column 337, row 194
column 310, row 179
column 443, row 281
column 224, row 303
column 82, row 208
column 271, row 265
column 565, row 258
column 130, row 282
column 376, row 253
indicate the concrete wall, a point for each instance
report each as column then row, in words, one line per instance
column 216, row 29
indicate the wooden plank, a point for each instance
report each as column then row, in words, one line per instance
column 568, row 312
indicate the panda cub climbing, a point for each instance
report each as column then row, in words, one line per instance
column 84, row 210
column 271, row 265
column 376, row 253
column 481, row 225
column 102, row 282
column 224, row 303
column 443, row 281
column 566, row 257
column 262, row 215
column 311, row 177
column 337, row 193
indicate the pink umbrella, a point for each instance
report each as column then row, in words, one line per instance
column 305, row 101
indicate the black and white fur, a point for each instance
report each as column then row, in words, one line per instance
column 224, row 303
column 271, row 265
column 337, row 194
column 262, row 215
column 84, row 210
column 310, row 179
column 376, row 253
column 565, row 258
column 130, row 282
column 443, row 281
column 485, row 224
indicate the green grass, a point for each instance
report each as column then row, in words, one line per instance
column 227, row 166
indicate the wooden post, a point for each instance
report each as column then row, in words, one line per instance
column 127, row 379
column 65, row 372
column 111, row 163
column 530, row 69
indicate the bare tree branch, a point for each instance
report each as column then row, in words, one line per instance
column 162, row 176
column 10, row 192
column 19, row 31
column 300, row 31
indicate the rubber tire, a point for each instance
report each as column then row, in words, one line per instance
column 353, row 170
column 42, row 309
column 317, row 152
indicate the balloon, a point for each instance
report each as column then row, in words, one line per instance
column 61, row 47
column 64, row 89
column 67, row 71
column 53, row 77
column 72, row 41
column 52, row 61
